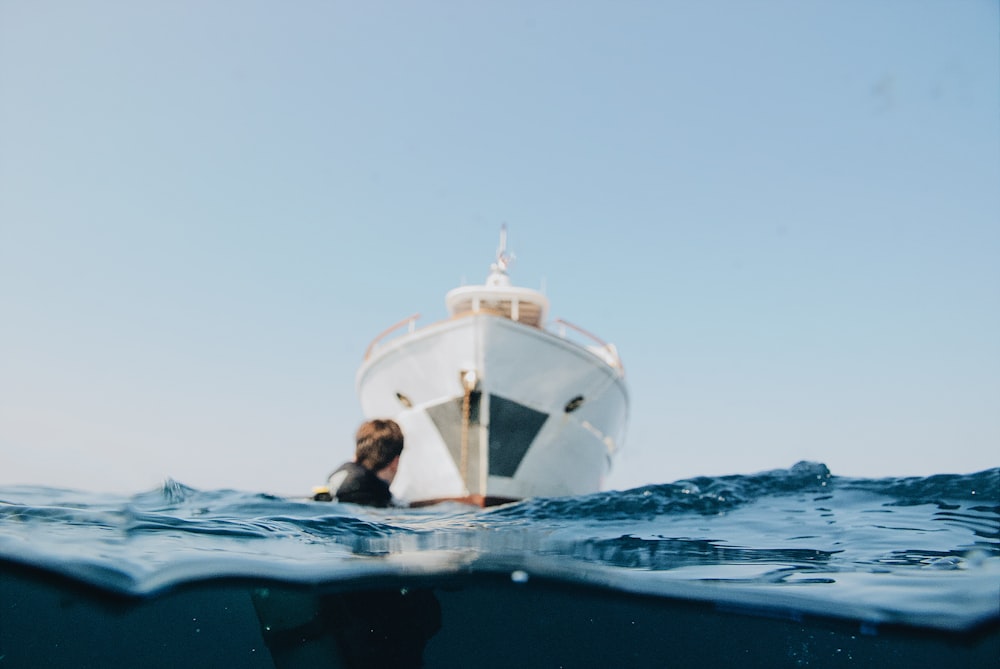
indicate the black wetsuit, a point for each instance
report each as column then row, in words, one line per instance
column 372, row 628
column 361, row 486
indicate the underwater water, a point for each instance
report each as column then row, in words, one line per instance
column 792, row 568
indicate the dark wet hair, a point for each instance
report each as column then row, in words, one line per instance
column 378, row 442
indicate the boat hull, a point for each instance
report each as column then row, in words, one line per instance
column 494, row 410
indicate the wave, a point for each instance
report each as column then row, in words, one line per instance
column 825, row 539
column 705, row 495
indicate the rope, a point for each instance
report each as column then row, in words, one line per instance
column 466, row 411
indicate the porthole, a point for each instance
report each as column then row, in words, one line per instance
column 573, row 404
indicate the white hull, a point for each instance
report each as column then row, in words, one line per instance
column 496, row 410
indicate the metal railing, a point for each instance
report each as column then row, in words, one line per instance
column 598, row 346
column 409, row 321
column 608, row 351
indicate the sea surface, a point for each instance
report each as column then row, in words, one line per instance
column 793, row 567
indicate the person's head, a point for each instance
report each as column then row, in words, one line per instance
column 378, row 444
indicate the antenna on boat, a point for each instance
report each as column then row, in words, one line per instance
column 498, row 270
column 504, row 259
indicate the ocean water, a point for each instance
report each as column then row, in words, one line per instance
column 795, row 567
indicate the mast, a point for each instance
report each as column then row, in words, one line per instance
column 498, row 270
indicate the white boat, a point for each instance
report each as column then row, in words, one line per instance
column 496, row 404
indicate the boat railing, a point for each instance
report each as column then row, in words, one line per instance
column 560, row 327
column 596, row 345
column 410, row 323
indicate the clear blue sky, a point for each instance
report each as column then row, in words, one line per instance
column 786, row 215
